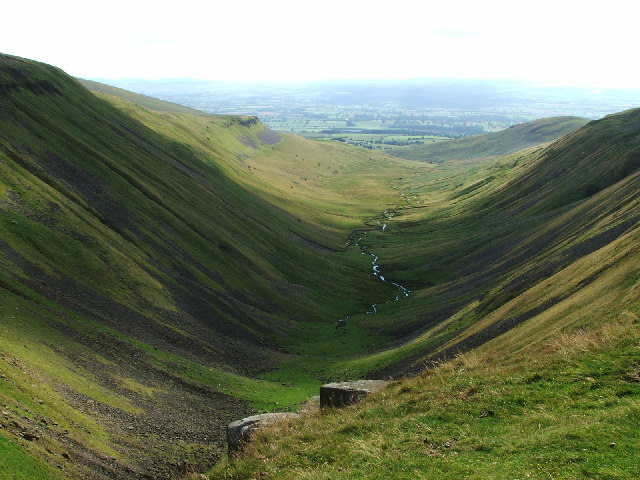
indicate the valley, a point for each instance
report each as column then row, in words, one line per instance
column 395, row 116
column 166, row 271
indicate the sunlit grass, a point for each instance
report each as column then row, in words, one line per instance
column 571, row 414
column 16, row 464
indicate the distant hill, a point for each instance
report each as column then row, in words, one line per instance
column 507, row 141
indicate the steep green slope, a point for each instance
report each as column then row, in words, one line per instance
column 165, row 272
column 525, row 310
column 479, row 243
column 138, row 99
column 162, row 214
column 17, row 464
column 594, row 158
column 569, row 414
column 143, row 288
column 514, row 138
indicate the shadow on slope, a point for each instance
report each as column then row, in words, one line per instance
column 484, row 249
column 145, row 286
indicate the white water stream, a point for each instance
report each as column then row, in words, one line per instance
column 403, row 291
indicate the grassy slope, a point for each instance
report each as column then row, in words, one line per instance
column 113, row 265
column 17, row 464
column 142, row 100
column 507, row 141
column 335, row 186
column 471, row 241
column 141, row 283
column 571, row 413
column 551, row 389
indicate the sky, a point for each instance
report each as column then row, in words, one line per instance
column 560, row 42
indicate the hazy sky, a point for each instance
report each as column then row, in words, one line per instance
column 555, row 42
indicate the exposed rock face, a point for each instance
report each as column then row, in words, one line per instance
column 338, row 395
column 240, row 431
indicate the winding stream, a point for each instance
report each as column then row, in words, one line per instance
column 357, row 240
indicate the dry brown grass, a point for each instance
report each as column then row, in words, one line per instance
column 583, row 340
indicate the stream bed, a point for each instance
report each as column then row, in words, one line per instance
column 357, row 239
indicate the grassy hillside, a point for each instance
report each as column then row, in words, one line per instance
column 165, row 272
column 571, row 413
column 142, row 100
column 517, row 137
column 144, row 288
column 525, row 312
column 334, row 185
column 472, row 245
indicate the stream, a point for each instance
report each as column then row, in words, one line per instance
column 357, row 239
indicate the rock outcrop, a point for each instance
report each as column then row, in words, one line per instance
column 240, row 431
column 338, row 395
column 335, row 395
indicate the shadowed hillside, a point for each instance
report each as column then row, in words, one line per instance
column 142, row 288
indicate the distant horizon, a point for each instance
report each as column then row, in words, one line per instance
column 563, row 44
column 487, row 81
